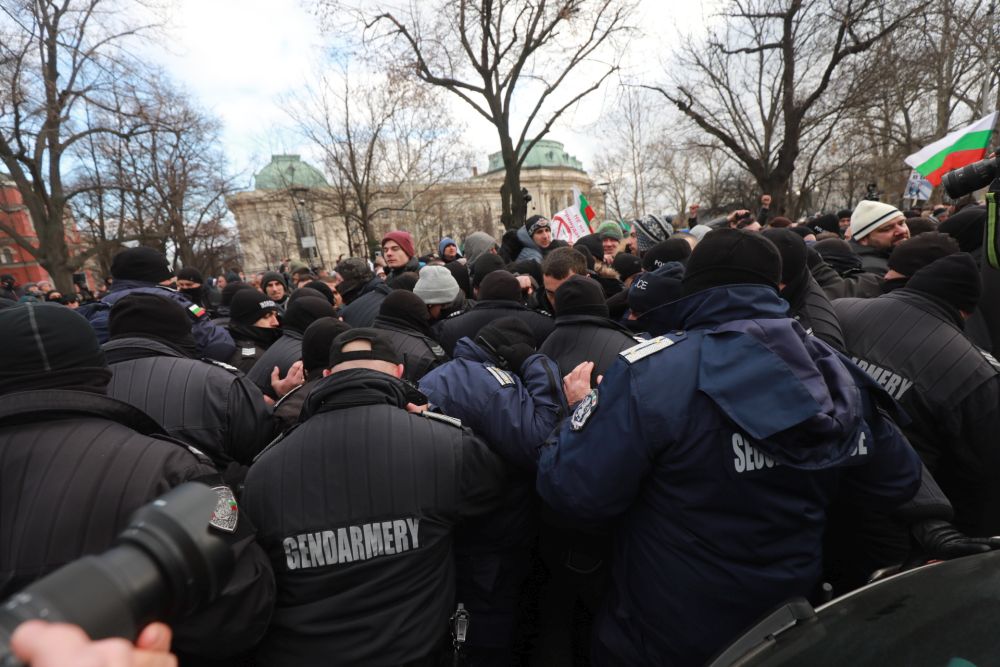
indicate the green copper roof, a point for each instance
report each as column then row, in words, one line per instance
column 288, row 171
column 546, row 153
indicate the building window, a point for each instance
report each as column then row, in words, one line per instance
column 6, row 256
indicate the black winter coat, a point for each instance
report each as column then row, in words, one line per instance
column 283, row 354
column 357, row 507
column 76, row 465
column 810, row 306
column 209, row 405
column 579, row 338
column 469, row 322
column 420, row 353
column 914, row 347
column 362, row 311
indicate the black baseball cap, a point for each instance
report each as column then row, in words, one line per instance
column 382, row 348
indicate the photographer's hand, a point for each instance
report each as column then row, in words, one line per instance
column 42, row 644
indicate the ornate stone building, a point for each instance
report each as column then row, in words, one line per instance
column 292, row 210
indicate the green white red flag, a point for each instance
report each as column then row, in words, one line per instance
column 961, row 147
column 573, row 222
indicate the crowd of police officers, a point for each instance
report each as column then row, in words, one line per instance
column 620, row 451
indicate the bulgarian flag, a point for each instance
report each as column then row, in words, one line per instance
column 958, row 149
column 571, row 223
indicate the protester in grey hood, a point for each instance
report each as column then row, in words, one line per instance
column 478, row 244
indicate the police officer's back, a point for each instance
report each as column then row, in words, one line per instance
column 77, row 464
column 357, row 507
column 204, row 403
column 406, row 322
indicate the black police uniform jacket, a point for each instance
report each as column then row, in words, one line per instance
column 810, row 306
column 468, row 323
column 420, row 353
column 579, row 338
column 207, row 404
column 362, row 311
column 913, row 346
column 356, row 508
column 76, row 465
column 283, row 353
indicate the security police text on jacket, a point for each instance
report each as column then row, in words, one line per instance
column 77, row 464
column 356, row 508
column 207, row 404
column 720, row 500
column 583, row 330
column 910, row 342
column 143, row 270
column 499, row 295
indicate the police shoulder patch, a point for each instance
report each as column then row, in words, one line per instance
column 503, row 377
column 990, row 358
column 438, row 417
column 583, row 411
column 248, row 352
column 437, row 350
column 226, row 515
column 197, row 312
column 646, row 349
column 198, row 454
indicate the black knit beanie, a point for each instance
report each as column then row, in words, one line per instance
column 248, row 306
column 304, row 311
column 142, row 263
column 230, row 290
column 271, row 276
column 793, row 253
column 627, row 265
column 671, row 250
column 302, row 293
column 316, row 343
column 150, row 316
column 407, row 309
column 954, row 279
column 485, row 265
column 580, row 295
column 504, row 332
column 190, row 273
column 500, row 286
column 732, row 257
column 322, row 288
column 967, row 227
column 592, row 242
column 917, row 252
column 48, row 346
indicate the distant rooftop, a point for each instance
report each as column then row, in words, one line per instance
column 288, row 171
column 546, row 153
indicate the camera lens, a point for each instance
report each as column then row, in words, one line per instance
column 970, row 177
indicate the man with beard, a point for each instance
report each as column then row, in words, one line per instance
column 876, row 229
column 254, row 326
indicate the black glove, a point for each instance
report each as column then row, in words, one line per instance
column 939, row 540
column 515, row 355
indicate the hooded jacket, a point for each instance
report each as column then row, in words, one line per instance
column 720, row 498
column 810, row 306
column 873, row 260
column 212, row 339
column 530, row 249
column 357, row 508
column 467, row 323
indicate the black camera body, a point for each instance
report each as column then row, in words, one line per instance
column 165, row 564
column 971, row 177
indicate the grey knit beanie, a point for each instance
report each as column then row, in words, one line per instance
column 436, row 285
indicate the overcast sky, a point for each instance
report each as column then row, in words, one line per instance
column 241, row 58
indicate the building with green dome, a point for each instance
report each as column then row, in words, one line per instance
column 293, row 213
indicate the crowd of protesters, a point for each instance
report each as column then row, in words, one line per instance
column 621, row 450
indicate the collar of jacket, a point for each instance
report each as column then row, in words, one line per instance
column 498, row 303
column 129, row 348
column 869, row 250
column 713, row 307
column 257, row 335
column 929, row 304
column 354, row 388
column 376, row 284
column 403, row 326
column 593, row 320
column 413, row 265
column 48, row 404
column 291, row 333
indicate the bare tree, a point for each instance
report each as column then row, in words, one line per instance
column 57, row 60
column 771, row 75
column 386, row 145
column 496, row 55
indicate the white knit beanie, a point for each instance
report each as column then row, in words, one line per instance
column 436, row 285
column 870, row 215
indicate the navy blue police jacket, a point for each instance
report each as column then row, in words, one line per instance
column 717, row 448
